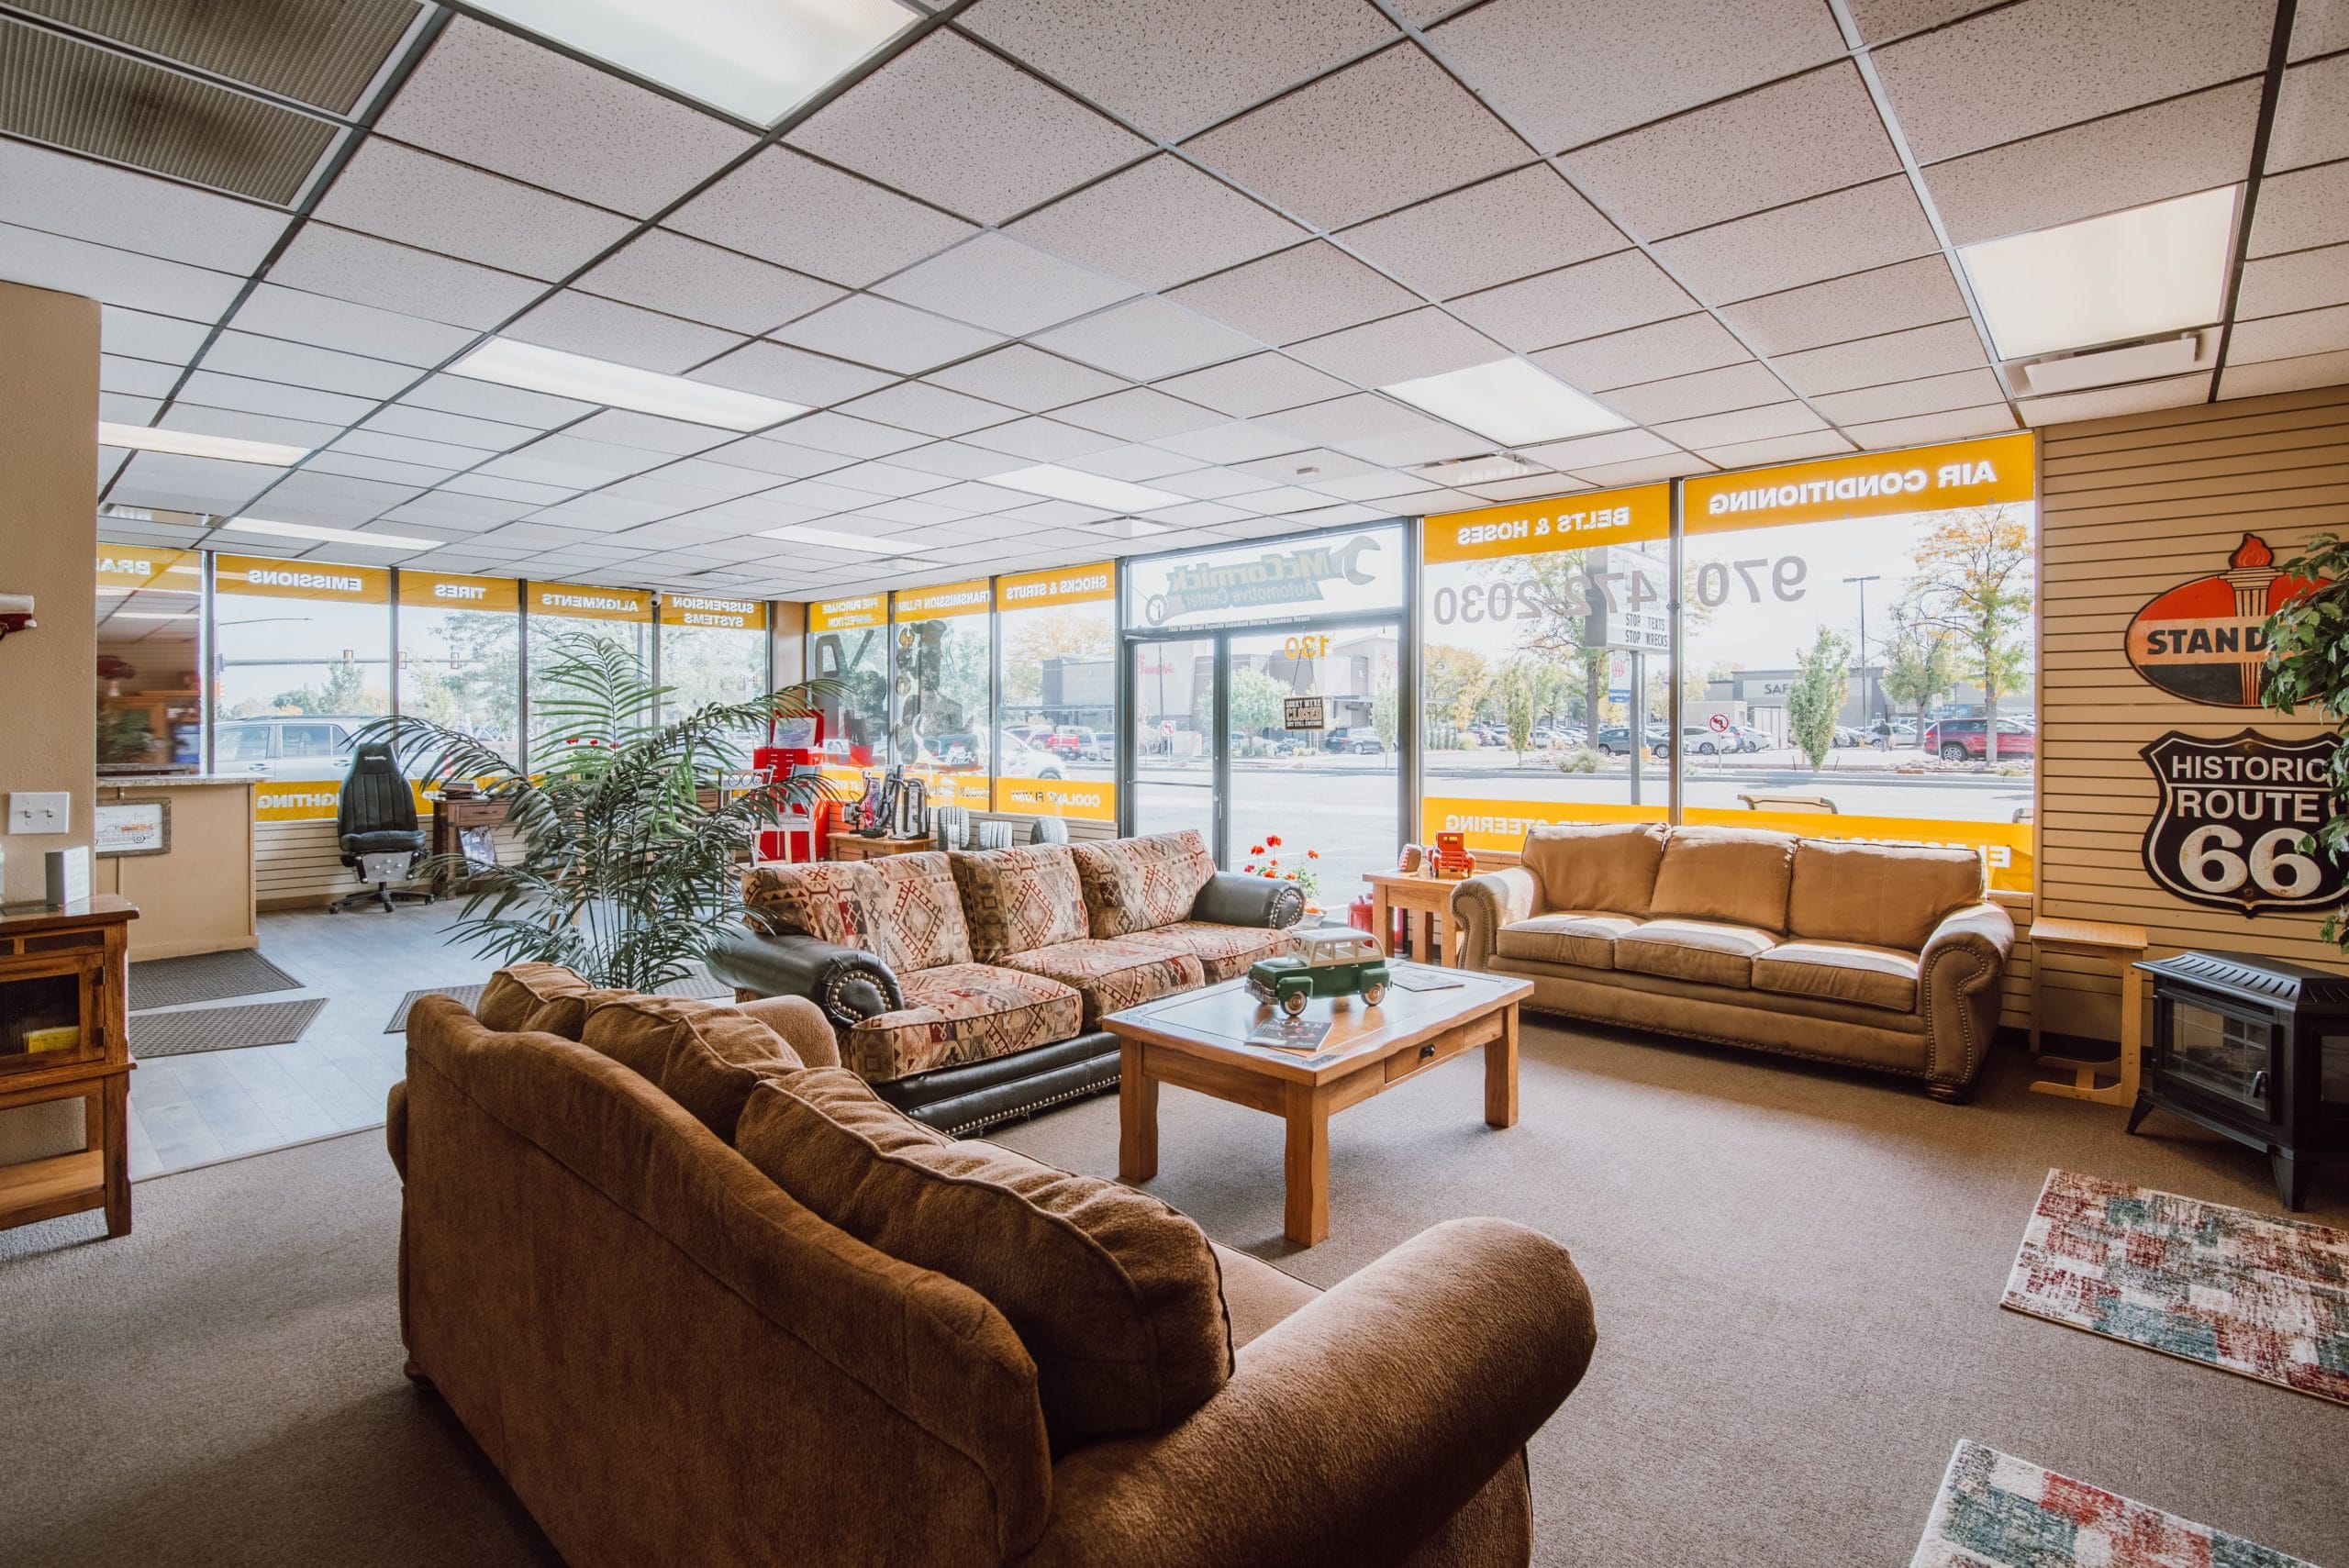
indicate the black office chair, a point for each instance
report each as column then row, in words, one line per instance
column 375, row 819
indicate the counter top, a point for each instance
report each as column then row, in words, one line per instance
column 173, row 781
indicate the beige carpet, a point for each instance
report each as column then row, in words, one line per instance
column 1796, row 1273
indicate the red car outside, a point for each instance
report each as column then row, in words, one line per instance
column 1965, row 740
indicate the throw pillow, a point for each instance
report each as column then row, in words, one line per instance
column 1118, row 1298
column 1017, row 900
column 706, row 1058
column 1137, row 885
column 917, row 913
column 1738, row 877
column 515, row 992
column 832, row 901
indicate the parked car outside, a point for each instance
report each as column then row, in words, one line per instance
column 1016, row 758
column 1615, row 740
column 1356, row 739
column 1076, row 742
column 1748, row 740
column 1965, row 739
column 287, row 746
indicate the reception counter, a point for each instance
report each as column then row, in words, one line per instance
column 186, row 862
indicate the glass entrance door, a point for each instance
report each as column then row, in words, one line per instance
column 1331, row 795
column 1174, row 682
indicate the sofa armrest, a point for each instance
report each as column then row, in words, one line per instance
column 1488, row 901
column 1232, row 898
column 1960, row 982
column 802, row 1026
column 847, row 985
column 395, row 1126
column 1354, row 1428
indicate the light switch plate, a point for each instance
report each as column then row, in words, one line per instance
column 40, row 811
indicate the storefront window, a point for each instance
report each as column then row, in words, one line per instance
column 1357, row 571
column 848, row 644
column 1055, row 738
column 461, row 655
column 1547, row 664
column 712, row 650
column 944, row 730
column 301, row 662
column 150, row 674
column 622, row 615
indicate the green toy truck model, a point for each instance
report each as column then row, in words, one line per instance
column 1335, row 960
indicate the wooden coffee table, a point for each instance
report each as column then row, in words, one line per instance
column 1198, row 1041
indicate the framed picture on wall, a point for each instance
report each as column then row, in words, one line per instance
column 132, row 827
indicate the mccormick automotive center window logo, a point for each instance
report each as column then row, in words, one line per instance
column 2233, row 815
column 1273, row 578
column 2201, row 641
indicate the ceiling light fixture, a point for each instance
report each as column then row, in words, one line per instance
column 329, row 536
column 827, row 538
column 189, row 443
column 2127, row 274
column 1086, row 489
column 1490, row 469
column 755, row 59
column 510, row 362
column 1512, row 401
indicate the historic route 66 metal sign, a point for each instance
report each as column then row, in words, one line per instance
column 2232, row 816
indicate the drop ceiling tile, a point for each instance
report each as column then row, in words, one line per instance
column 1425, row 442
column 1058, row 514
column 793, row 375
column 1313, row 468
column 544, row 473
column 1379, row 135
column 1377, row 484
column 400, row 420
column 503, row 489
column 305, row 433
column 694, row 482
column 955, row 461
column 910, row 126
column 887, row 479
column 647, row 432
column 486, row 400
column 680, row 276
column 1197, row 515
column 1524, row 489
column 296, row 364
column 1039, row 440
column 2146, row 155
column 116, row 277
column 1800, row 138
column 198, row 477
column 1137, row 464
column 980, row 499
column 1883, row 20
column 1644, row 470
column 399, row 278
column 1023, row 377
column 779, row 458
column 1401, row 348
column 932, row 410
column 1213, row 484
column 1939, row 350
column 610, row 458
column 356, row 498
column 1586, row 300
column 1145, row 340
column 2289, row 337
column 357, row 465
column 500, row 102
column 853, row 438
column 1488, row 233
column 1518, row 53
column 216, row 391
column 2284, row 375
column 138, row 378
column 1913, row 294
column 142, row 335
column 1744, row 425
column 1158, row 224
column 1300, row 292
column 2319, row 26
column 1826, row 237
column 451, row 509
column 2298, row 211
column 408, row 449
column 1678, row 346
column 876, row 331
column 1260, row 383
column 785, row 209
column 2112, row 402
column 121, row 408
column 902, row 514
column 604, row 329
column 997, row 282
column 2302, row 281
column 1929, row 395
column 328, row 323
column 1139, row 413
column 2311, row 116
column 1359, row 416
column 391, row 192
column 81, row 199
column 1749, row 385
column 1239, row 441
column 1958, row 425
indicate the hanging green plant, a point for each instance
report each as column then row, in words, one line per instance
column 2308, row 666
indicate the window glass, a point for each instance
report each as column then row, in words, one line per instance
column 150, row 674
column 1866, row 620
column 1331, row 574
column 1546, row 664
column 712, row 650
column 461, row 655
column 621, row 615
column 848, row 644
column 1056, row 731
column 945, row 725
column 297, row 638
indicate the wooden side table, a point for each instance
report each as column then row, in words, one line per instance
column 451, row 818
column 1425, row 901
column 852, row 847
column 2096, row 938
column 63, row 1036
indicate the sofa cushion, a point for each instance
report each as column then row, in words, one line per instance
column 1707, row 951
column 1131, row 885
column 1737, row 876
column 706, row 1057
column 1586, row 937
column 918, row 912
column 514, row 992
column 1019, row 900
column 832, row 901
column 1256, row 1296
column 1223, row 951
column 962, row 1012
column 565, row 1015
column 1116, row 1296
column 1112, row 973
column 1888, row 895
column 1604, row 866
column 1841, row 972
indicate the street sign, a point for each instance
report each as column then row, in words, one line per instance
column 1166, row 727
column 1718, row 724
column 1305, row 713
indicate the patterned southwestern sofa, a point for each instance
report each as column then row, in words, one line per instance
column 969, row 988
column 1879, row 955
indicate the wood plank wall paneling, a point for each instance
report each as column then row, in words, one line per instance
column 2130, row 508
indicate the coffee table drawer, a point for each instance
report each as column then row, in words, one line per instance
column 1442, row 1049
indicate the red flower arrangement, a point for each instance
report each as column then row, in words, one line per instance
column 1266, row 861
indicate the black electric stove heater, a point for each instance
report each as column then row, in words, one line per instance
column 2253, row 1048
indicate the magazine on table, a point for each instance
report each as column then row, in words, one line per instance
column 1422, row 977
column 1290, row 1034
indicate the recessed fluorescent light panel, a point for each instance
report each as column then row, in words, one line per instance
column 2128, row 274
column 1086, row 489
column 188, row 443
column 1511, row 401
column 329, row 536
column 509, row 362
column 863, row 544
column 756, row 60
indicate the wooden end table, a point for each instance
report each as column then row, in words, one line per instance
column 2096, row 938
column 1198, row 1040
column 856, row 847
column 1424, row 900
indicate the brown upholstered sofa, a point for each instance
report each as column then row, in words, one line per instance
column 1879, row 955
column 969, row 988
column 689, row 1290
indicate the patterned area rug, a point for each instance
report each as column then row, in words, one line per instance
column 1998, row 1511
column 2265, row 1298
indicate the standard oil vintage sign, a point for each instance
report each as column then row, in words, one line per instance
column 2233, row 816
column 2203, row 640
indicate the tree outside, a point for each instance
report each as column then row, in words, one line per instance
column 1079, row 632
column 1516, row 707
column 1456, row 681
column 1821, row 683
column 1974, row 583
column 1920, row 664
column 1255, row 701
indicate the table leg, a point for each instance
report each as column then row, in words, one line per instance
column 1501, row 1073
column 1305, row 1213
column 2133, row 1030
column 116, row 1116
column 1137, row 1114
column 1382, row 918
column 1423, row 940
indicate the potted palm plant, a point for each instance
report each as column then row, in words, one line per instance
column 631, row 844
column 2307, row 665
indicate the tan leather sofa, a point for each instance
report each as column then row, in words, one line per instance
column 1878, row 955
column 673, row 1359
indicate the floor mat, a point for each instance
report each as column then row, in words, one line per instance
column 693, row 988
column 205, row 977
column 221, row 1029
column 2265, row 1297
column 1998, row 1511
